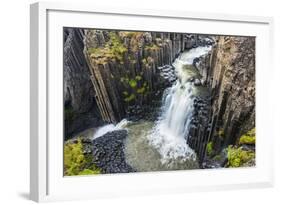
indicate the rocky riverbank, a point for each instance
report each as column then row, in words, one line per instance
column 108, row 152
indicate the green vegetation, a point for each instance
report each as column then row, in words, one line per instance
column 135, row 87
column 130, row 98
column 75, row 162
column 114, row 49
column 138, row 77
column 89, row 172
column 133, row 83
column 209, row 148
column 221, row 133
column 237, row 157
column 152, row 47
column 249, row 137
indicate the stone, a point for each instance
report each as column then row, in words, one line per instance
column 197, row 82
column 108, row 152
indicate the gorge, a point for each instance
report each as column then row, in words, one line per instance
column 152, row 101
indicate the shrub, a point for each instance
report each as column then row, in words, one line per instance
column 114, row 49
column 89, row 172
column 133, row 83
column 237, row 157
column 75, row 161
column 130, row 98
column 249, row 137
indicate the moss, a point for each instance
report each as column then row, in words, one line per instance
column 220, row 133
column 75, row 162
column 152, row 47
column 130, row 98
column 141, row 90
column 209, row 148
column 89, row 172
column 245, row 139
column 114, row 49
column 138, row 77
column 237, row 157
column 249, row 137
column 133, row 83
column 144, row 61
column 125, row 93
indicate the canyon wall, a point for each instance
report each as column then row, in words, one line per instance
column 79, row 103
column 232, row 80
column 229, row 72
column 125, row 71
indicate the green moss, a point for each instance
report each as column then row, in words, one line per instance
column 89, row 172
column 138, row 77
column 209, row 148
column 144, row 61
column 130, row 98
column 125, row 93
column 237, row 157
column 135, row 87
column 133, row 83
column 245, row 139
column 141, row 90
column 221, row 133
column 75, row 163
column 114, row 49
column 249, row 137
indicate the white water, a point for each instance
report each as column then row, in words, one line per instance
column 170, row 132
column 110, row 127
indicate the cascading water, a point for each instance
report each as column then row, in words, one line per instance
column 171, row 130
column 110, row 127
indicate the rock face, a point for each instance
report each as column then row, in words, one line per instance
column 229, row 71
column 124, row 67
column 108, row 152
column 78, row 90
column 233, row 88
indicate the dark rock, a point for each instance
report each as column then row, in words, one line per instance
column 80, row 111
column 108, row 153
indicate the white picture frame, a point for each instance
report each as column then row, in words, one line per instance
column 46, row 177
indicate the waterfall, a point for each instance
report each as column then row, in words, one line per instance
column 172, row 128
column 110, row 127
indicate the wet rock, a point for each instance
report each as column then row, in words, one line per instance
column 197, row 82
